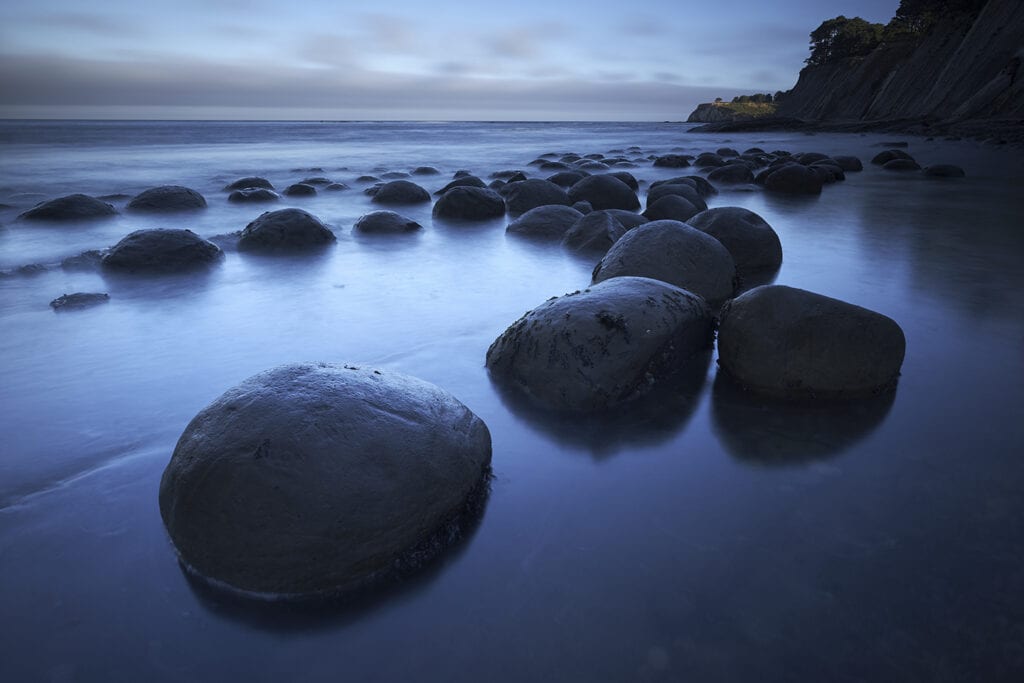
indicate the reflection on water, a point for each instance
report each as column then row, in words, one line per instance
column 762, row 431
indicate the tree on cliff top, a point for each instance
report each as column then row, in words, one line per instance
column 915, row 17
column 840, row 38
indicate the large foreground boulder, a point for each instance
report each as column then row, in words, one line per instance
column 753, row 244
column 672, row 252
column 161, row 251
column 794, row 344
column 167, row 198
column 73, row 207
column 610, row 343
column 470, row 204
column 313, row 479
column 285, row 229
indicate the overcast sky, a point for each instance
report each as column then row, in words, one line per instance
column 402, row 59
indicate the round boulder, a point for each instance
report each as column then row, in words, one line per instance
column 319, row 479
column 732, row 173
column 610, row 343
column 672, row 207
column 751, row 242
column 253, row 194
column 604, row 192
column 285, row 230
column 523, row 195
column 462, row 181
column 161, row 251
column 70, row 208
column 401, row 192
column 794, row 179
column 672, row 161
column 300, row 190
column 685, row 190
column 385, row 222
column 794, row 344
column 672, row 252
column 167, row 198
column 247, row 182
column 849, row 163
column 882, row 158
column 469, row 204
column 546, row 222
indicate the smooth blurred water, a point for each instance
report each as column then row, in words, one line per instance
column 715, row 539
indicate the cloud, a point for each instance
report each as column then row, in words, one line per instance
column 643, row 27
column 326, row 49
column 525, row 42
column 103, row 26
column 391, row 33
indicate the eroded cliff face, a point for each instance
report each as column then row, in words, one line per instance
column 956, row 72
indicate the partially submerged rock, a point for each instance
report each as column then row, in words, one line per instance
column 314, row 479
column 521, row 196
column 249, row 182
column 943, row 171
column 752, row 243
column 167, row 198
column 469, row 204
column 794, row 344
column 253, row 194
column 68, row 302
column 604, row 192
column 610, row 343
column 161, row 251
column 793, row 179
column 69, row 208
column 385, row 222
column 597, row 231
column 400, row 192
column 286, row 229
column 545, row 222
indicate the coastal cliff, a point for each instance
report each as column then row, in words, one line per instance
column 955, row 72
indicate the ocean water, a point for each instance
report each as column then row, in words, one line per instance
column 721, row 540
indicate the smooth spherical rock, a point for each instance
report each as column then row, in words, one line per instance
column 523, row 195
column 672, row 207
column 385, row 222
column 167, row 198
column 685, row 190
column 732, row 174
column 70, row 208
column 567, row 179
column 888, row 155
column 469, row 204
column 672, row 161
column 462, row 181
column 794, row 344
column 545, row 222
column 314, row 479
column 604, row 192
column 610, row 343
column 672, row 252
column 253, row 195
column 708, row 160
column 628, row 178
column 284, row 230
column 300, row 190
column 794, row 179
column 901, row 165
column 751, row 242
column 161, row 251
column 849, row 163
column 400, row 192
column 249, row 182
column 425, row 170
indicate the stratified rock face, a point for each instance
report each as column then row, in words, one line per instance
column 794, row 344
column 469, row 204
column 385, row 222
column 545, row 222
column 604, row 192
column 675, row 253
column 521, row 196
column 70, row 208
column 752, row 243
column 610, row 343
column 161, row 251
column 318, row 479
column 401, row 192
column 167, row 198
column 285, row 230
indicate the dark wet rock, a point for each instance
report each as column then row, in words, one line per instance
column 545, row 222
column 249, row 182
column 161, row 251
column 316, row 180
column 731, row 173
column 726, row 152
column 672, row 252
column 425, row 170
column 583, row 207
column 591, row 165
column 944, row 171
column 461, row 173
column 300, row 190
column 794, row 179
column 888, row 155
column 701, row 185
column 462, row 181
column 30, row 269
column 367, row 179
column 567, row 179
column 570, row 158
column 394, row 175
column 87, row 260
column 808, row 158
column 754, row 150
column 554, row 166
column 896, row 143
column 708, row 160
column 752, row 243
column 284, row 230
column 498, row 186
column 509, row 176
column 901, row 165
column 469, row 204
column 385, row 222
column 336, row 187
column 685, row 190
column 672, row 161
column 401, row 192
column 627, row 178
column 314, row 479
column 167, row 198
column 834, row 171
column 672, row 207
column 849, row 163
column 253, row 195
column 69, row 208
column 795, row 344
column 68, row 302
column 597, row 231
column 608, row 344
column 524, row 195
column 604, row 192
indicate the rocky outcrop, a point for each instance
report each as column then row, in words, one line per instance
column 715, row 112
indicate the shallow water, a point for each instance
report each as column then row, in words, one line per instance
column 716, row 539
